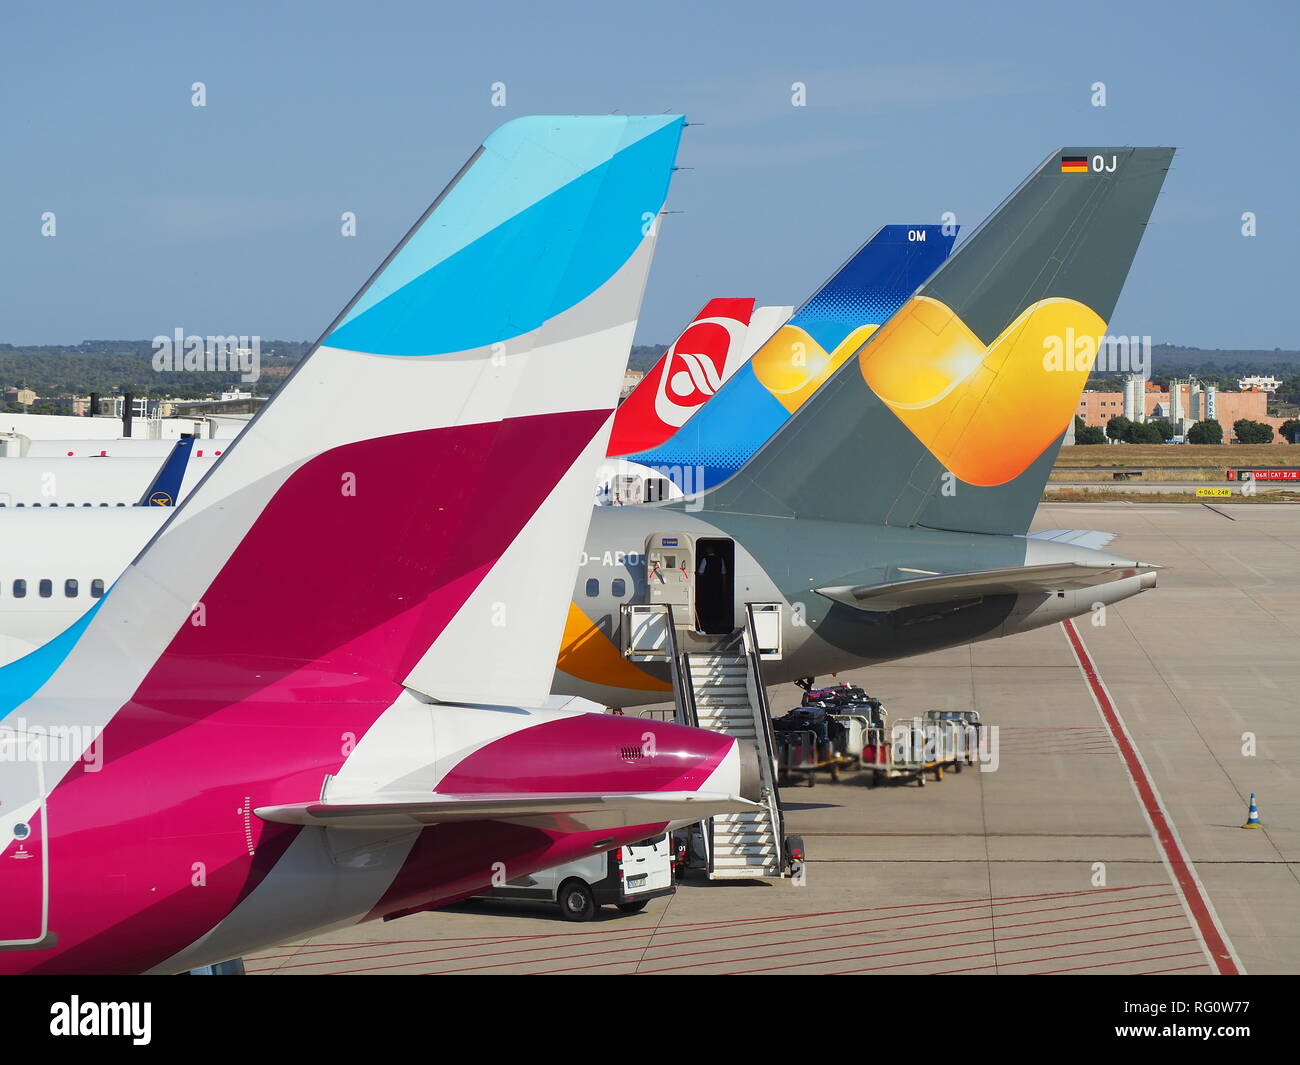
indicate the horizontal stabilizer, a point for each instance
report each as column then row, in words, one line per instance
column 1013, row 580
column 570, row 812
column 1092, row 539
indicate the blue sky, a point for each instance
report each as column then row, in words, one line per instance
column 225, row 219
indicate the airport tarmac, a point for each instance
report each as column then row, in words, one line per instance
column 1106, row 841
column 1260, row 488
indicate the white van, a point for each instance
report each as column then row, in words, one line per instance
column 627, row 878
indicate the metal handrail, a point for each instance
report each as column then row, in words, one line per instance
column 765, row 716
column 683, row 689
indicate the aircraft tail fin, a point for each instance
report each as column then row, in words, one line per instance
column 697, row 364
column 950, row 416
column 165, row 489
column 763, row 324
column 807, row 349
column 426, row 467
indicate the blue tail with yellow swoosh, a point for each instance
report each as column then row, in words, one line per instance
column 761, row 397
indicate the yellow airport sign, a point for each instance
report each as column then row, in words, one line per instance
column 1218, row 493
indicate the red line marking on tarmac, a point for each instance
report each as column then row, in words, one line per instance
column 1104, row 964
column 1084, row 954
column 309, row 957
column 569, row 938
column 650, row 934
column 1213, row 939
column 922, row 950
column 996, row 952
column 590, row 939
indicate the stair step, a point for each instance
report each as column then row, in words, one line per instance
column 741, row 874
column 744, row 845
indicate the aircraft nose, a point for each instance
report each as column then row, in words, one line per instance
column 751, row 781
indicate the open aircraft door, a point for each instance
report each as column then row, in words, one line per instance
column 696, row 578
column 24, row 858
column 670, row 574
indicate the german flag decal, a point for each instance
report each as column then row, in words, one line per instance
column 1074, row 164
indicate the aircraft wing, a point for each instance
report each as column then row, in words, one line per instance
column 1013, row 580
column 1092, row 539
column 572, row 813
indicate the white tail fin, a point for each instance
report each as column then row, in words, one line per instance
column 378, row 506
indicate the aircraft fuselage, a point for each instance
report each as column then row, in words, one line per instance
column 784, row 560
column 767, row 560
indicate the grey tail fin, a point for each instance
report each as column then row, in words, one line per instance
column 950, row 415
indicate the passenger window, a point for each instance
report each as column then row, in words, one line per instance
column 593, row 588
column 619, row 588
column 46, row 587
column 96, row 588
column 20, row 589
column 70, row 588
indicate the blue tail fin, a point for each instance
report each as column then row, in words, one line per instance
column 165, row 489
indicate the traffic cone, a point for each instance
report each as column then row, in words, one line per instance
column 1252, row 819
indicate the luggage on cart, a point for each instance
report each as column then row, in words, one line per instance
column 962, row 733
column 845, row 698
column 809, row 739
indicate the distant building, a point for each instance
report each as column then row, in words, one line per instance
column 1183, row 404
column 1135, row 387
column 631, row 378
column 112, row 406
column 1259, row 384
column 75, row 405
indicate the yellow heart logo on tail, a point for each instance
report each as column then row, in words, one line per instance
column 985, row 413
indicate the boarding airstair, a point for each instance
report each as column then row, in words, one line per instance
column 721, row 688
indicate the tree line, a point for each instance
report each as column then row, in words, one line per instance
column 1161, row 431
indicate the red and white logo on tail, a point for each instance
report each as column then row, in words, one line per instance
column 710, row 350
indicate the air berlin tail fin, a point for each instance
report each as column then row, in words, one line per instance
column 698, row 363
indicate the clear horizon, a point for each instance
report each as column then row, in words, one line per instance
column 226, row 218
